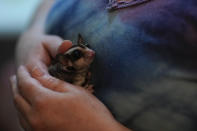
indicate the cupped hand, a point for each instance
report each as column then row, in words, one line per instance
column 49, row 104
column 46, row 103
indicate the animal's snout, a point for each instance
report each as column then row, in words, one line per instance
column 90, row 54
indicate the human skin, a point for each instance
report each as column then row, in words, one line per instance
column 46, row 103
column 51, row 104
column 145, row 65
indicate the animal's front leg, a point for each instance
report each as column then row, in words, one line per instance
column 90, row 88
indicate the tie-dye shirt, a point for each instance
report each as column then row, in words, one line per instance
column 145, row 70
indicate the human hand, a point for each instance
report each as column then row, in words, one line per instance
column 47, row 103
column 37, row 48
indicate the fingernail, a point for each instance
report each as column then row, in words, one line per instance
column 66, row 44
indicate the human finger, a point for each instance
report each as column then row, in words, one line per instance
column 29, row 87
column 39, row 54
column 23, row 122
column 54, row 43
column 65, row 45
column 39, row 64
column 50, row 47
column 21, row 104
column 40, row 72
column 49, row 81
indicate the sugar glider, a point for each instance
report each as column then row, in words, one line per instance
column 73, row 65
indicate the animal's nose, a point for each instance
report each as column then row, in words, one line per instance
column 91, row 54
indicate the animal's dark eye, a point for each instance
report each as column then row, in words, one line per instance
column 76, row 54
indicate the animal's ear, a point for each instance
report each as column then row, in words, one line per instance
column 80, row 40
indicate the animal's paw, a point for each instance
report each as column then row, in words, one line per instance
column 90, row 88
column 89, row 75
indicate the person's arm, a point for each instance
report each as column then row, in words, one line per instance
column 33, row 38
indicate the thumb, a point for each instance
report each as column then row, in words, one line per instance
column 65, row 45
column 55, row 44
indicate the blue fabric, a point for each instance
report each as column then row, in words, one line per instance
column 145, row 69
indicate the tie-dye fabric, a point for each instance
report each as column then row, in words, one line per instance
column 145, row 69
